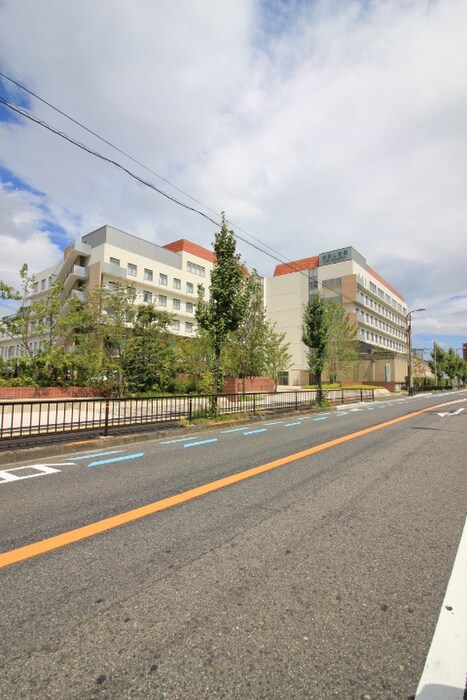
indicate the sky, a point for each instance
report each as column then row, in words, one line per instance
column 314, row 124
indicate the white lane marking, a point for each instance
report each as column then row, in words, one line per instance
column 185, row 439
column 8, row 475
column 201, row 442
column 98, row 454
column 451, row 413
column 446, row 663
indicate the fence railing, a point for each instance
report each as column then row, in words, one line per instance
column 51, row 417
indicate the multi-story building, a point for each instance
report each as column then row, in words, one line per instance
column 166, row 276
column 372, row 304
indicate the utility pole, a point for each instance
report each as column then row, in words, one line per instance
column 434, row 362
column 409, row 349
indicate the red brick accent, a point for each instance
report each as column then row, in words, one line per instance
column 296, row 266
column 189, row 247
column 234, row 385
column 18, row 393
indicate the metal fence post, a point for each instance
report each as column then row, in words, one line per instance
column 106, row 420
column 190, row 409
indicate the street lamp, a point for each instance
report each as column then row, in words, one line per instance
column 409, row 349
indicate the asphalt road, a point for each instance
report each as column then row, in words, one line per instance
column 321, row 577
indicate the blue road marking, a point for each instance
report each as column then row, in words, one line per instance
column 253, row 432
column 274, row 422
column 343, row 413
column 201, row 442
column 116, row 459
column 370, row 408
column 289, row 425
column 232, row 430
column 185, row 439
column 320, row 418
column 98, row 454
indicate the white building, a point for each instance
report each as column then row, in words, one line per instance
column 167, row 276
column 378, row 309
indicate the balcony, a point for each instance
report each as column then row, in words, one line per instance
column 114, row 270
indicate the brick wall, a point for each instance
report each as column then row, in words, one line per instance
column 234, row 385
column 18, row 393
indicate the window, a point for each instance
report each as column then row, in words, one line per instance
column 147, row 297
column 189, row 307
column 176, row 304
column 188, row 327
column 373, row 287
column 42, row 284
column 35, row 288
column 162, row 300
column 115, row 261
column 132, row 270
column 112, row 286
column 162, row 279
column 175, row 325
column 177, row 283
column 148, row 275
column 196, row 269
column 189, row 288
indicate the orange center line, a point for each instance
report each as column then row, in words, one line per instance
column 32, row 550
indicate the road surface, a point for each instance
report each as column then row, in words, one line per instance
column 303, row 557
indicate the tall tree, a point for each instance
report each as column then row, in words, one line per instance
column 246, row 347
column 112, row 314
column 194, row 357
column 150, row 355
column 276, row 353
column 341, row 340
column 315, row 336
column 40, row 326
column 225, row 309
column 438, row 363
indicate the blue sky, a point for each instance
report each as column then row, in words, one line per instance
column 313, row 125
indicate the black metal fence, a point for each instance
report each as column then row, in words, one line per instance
column 52, row 417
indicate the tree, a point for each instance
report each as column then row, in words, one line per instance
column 315, row 336
column 276, row 353
column 194, row 357
column 111, row 316
column 245, row 350
column 438, row 363
column 225, row 309
column 41, row 328
column 341, row 340
column 150, row 354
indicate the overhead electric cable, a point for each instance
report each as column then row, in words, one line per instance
column 134, row 160
column 73, row 141
column 274, row 254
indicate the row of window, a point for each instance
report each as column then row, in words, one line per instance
column 161, row 300
column 381, row 293
column 35, row 286
column 370, row 320
column 381, row 340
column 148, row 274
column 383, row 310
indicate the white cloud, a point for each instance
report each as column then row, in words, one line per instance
column 314, row 125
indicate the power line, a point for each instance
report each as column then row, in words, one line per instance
column 139, row 179
column 142, row 165
column 274, row 254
